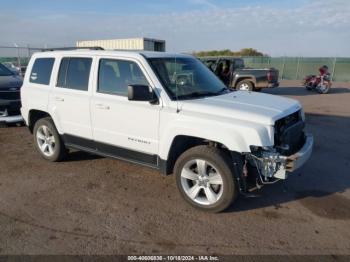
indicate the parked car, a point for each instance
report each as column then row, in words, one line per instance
column 15, row 69
column 10, row 101
column 234, row 74
column 164, row 111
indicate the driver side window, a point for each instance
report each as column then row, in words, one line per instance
column 114, row 76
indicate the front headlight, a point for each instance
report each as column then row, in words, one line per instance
column 302, row 114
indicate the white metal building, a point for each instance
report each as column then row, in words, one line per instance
column 143, row 43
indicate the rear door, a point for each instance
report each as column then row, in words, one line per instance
column 37, row 85
column 70, row 99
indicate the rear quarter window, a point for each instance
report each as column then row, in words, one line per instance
column 41, row 71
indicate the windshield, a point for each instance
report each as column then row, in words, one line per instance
column 4, row 71
column 186, row 78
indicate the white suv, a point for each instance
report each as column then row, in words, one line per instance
column 165, row 111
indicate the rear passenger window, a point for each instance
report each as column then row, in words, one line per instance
column 74, row 73
column 114, row 76
column 41, row 71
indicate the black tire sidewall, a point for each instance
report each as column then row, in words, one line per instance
column 221, row 164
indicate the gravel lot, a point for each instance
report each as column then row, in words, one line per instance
column 94, row 205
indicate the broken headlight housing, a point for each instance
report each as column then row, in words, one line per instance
column 269, row 163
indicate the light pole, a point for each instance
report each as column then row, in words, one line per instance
column 18, row 57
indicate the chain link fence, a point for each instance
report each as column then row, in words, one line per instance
column 296, row 68
column 17, row 55
column 290, row 68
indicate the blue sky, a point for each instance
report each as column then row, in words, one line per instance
column 122, row 7
column 299, row 27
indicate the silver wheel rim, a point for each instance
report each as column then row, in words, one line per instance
column 46, row 140
column 244, row 86
column 202, row 182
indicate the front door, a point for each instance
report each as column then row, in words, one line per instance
column 123, row 128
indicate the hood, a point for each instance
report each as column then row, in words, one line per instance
column 242, row 105
column 12, row 81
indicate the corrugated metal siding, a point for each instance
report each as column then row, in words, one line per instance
column 125, row 44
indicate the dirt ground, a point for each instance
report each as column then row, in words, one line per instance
column 94, row 205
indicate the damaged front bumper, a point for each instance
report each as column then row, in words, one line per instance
column 271, row 164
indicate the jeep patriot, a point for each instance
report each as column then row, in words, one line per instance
column 165, row 111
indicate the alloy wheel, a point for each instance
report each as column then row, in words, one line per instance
column 46, row 140
column 244, row 87
column 202, row 182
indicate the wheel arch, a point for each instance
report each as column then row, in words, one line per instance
column 33, row 116
column 182, row 143
column 245, row 78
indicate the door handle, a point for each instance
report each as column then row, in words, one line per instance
column 59, row 99
column 101, row 106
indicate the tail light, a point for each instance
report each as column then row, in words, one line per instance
column 269, row 76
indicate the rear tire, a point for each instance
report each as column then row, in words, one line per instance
column 245, row 85
column 204, row 177
column 47, row 140
column 308, row 86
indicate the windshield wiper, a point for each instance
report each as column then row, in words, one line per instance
column 202, row 94
column 197, row 94
column 223, row 90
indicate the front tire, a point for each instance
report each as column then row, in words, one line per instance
column 324, row 88
column 204, row 177
column 47, row 140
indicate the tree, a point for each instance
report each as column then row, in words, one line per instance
column 250, row 52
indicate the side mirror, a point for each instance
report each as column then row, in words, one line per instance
column 141, row 93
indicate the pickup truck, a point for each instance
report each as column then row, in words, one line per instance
column 165, row 111
column 234, row 74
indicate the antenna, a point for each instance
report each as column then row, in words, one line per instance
column 176, row 89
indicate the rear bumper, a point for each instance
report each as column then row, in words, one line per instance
column 273, row 85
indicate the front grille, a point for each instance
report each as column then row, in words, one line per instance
column 289, row 134
column 10, row 95
column 12, row 109
column 14, row 112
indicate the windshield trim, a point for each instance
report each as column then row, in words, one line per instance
column 159, row 78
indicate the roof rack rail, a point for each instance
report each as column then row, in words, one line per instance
column 71, row 48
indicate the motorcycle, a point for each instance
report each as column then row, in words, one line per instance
column 321, row 83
